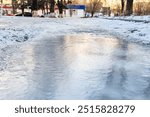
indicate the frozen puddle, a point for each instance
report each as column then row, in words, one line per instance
column 77, row 67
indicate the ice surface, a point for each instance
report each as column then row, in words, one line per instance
column 83, row 66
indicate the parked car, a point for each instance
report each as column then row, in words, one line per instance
column 26, row 14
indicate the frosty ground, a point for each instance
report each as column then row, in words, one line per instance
column 74, row 58
column 20, row 29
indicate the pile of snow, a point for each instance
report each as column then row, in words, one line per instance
column 14, row 30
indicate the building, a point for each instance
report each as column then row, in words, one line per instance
column 75, row 10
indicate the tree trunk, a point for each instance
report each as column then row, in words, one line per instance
column 122, row 6
column 52, row 5
column 92, row 14
column 34, row 8
column 22, row 7
column 13, row 6
column 34, row 5
column 43, row 7
column 47, row 6
column 129, row 7
column 94, row 6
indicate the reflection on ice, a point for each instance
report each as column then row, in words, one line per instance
column 81, row 66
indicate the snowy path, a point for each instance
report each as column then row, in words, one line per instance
column 83, row 66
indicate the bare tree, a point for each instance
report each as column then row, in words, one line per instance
column 142, row 8
column 94, row 5
column 147, row 8
column 117, row 9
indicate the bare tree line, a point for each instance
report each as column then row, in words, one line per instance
column 45, row 5
column 32, row 4
column 125, row 7
column 142, row 8
column 129, row 7
column 94, row 6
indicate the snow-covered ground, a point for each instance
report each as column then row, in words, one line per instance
column 73, row 58
column 14, row 30
column 19, row 30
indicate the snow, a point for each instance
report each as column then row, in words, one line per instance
column 90, row 65
column 14, row 30
column 132, row 17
